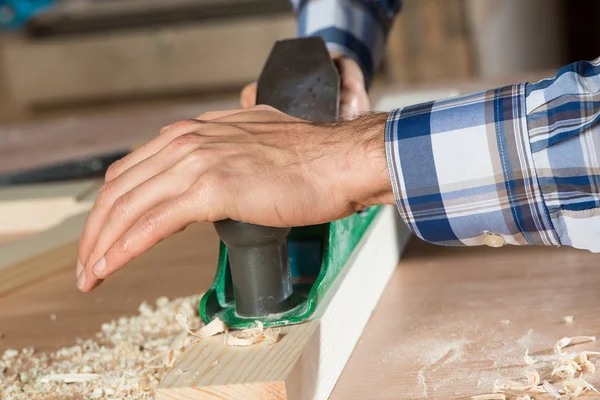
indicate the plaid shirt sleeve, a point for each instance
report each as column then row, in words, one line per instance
column 355, row 28
column 515, row 165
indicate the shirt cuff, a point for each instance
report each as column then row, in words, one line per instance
column 348, row 27
column 462, row 169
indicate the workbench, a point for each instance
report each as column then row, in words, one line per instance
column 450, row 323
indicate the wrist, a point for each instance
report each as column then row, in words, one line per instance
column 368, row 180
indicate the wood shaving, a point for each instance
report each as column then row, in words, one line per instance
column 528, row 359
column 566, row 369
column 505, row 321
column 576, row 387
column 215, row 327
column 584, row 356
column 571, row 341
column 127, row 358
column 551, row 390
column 493, row 396
column 249, row 337
column 588, row 368
column 533, row 380
column 69, row 378
column 568, row 319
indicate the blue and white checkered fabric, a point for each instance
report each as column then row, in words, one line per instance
column 355, row 28
column 521, row 161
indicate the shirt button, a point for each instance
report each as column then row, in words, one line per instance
column 493, row 240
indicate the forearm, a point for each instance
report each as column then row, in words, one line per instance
column 514, row 165
column 357, row 29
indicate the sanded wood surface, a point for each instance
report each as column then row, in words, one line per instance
column 440, row 330
column 307, row 361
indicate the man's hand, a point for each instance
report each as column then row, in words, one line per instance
column 354, row 99
column 257, row 165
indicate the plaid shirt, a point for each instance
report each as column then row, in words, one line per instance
column 519, row 163
column 514, row 165
column 355, row 28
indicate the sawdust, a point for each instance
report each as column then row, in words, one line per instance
column 126, row 360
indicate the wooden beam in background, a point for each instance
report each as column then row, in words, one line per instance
column 35, row 208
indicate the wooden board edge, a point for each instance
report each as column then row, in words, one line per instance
column 311, row 356
column 38, row 207
column 35, row 257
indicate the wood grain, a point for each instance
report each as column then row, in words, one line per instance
column 307, row 361
column 41, row 255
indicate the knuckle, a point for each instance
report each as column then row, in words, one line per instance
column 122, row 248
column 148, row 223
column 183, row 124
column 353, row 83
column 113, row 171
column 106, row 194
column 209, row 115
column 186, row 140
column 120, row 208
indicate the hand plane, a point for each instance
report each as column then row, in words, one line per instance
column 280, row 275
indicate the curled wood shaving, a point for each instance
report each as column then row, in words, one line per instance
column 69, row 378
column 528, row 359
column 493, row 396
column 576, row 387
column 566, row 369
column 551, row 390
column 588, row 368
column 249, row 337
column 571, row 341
column 215, row 327
column 584, row 356
column 568, row 319
column 533, row 380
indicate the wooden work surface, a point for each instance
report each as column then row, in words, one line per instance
column 451, row 321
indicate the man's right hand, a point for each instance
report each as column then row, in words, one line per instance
column 354, row 99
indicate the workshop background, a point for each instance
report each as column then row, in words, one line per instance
column 71, row 57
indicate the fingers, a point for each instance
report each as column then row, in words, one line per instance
column 150, row 148
column 112, row 191
column 354, row 99
column 248, row 95
column 131, row 206
column 151, row 228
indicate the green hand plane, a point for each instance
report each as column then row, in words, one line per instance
column 279, row 276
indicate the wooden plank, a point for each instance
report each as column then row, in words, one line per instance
column 34, row 208
column 308, row 360
column 144, row 62
column 27, row 260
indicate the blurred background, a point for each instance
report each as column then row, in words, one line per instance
column 65, row 57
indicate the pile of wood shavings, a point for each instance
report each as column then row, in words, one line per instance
column 569, row 372
column 126, row 360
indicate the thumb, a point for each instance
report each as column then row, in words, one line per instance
column 248, row 95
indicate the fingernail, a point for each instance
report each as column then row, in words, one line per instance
column 79, row 268
column 81, row 280
column 100, row 266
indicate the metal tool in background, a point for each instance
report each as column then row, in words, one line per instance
column 280, row 275
column 84, row 168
